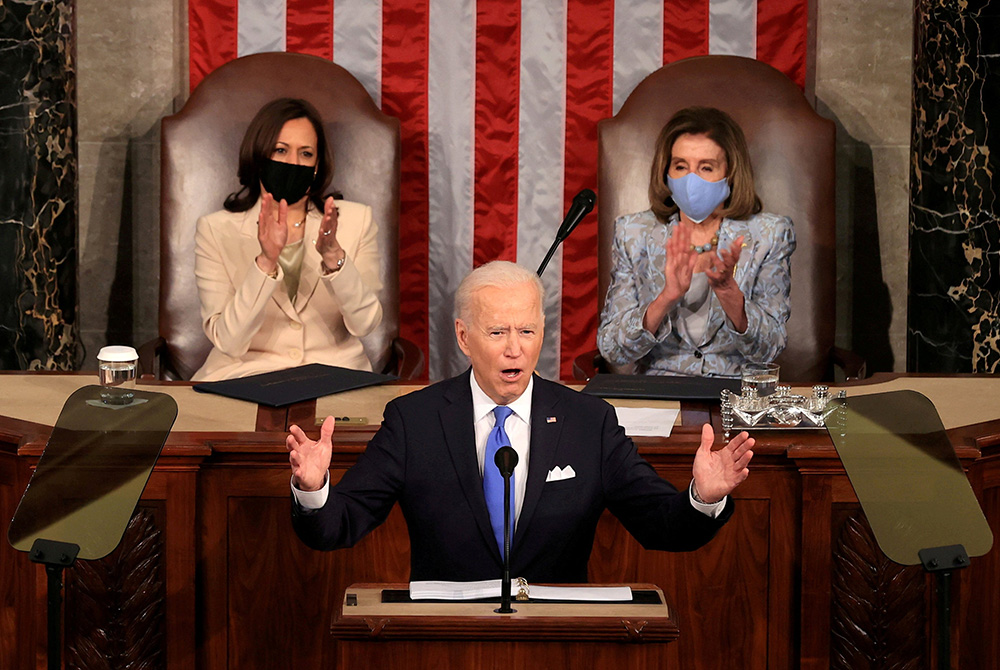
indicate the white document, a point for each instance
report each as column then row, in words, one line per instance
column 646, row 421
column 490, row 588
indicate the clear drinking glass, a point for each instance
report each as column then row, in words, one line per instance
column 762, row 377
column 116, row 369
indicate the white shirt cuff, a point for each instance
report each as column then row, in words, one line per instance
column 708, row 509
column 312, row 499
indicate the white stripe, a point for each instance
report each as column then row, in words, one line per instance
column 357, row 42
column 451, row 110
column 541, row 133
column 260, row 26
column 732, row 28
column 638, row 45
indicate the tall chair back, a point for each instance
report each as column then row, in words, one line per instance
column 199, row 156
column 792, row 149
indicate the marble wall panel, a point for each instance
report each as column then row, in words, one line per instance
column 863, row 75
column 954, row 272
column 132, row 73
column 38, row 299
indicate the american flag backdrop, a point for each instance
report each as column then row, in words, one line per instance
column 499, row 102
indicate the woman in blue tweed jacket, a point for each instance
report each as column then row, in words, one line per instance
column 701, row 280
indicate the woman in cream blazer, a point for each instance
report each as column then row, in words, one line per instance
column 268, row 303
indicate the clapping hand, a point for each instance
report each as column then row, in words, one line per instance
column 722, row 269
column 680, row 263
column 718, row 472
column 272, row 232
column 326, row 239
column 310, row 459
column 677, row 273
column 721, row 278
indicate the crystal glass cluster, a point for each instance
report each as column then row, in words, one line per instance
column 781, row 409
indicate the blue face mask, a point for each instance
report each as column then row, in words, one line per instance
column 696, row 197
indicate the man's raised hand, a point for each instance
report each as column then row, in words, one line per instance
column 310, row 459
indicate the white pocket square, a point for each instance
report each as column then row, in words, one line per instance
column 558, row 474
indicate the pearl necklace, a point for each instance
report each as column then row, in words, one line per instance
column 702, row 248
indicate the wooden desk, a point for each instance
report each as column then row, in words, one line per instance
column 225, row 584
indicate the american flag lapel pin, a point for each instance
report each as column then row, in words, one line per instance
column 550, row 419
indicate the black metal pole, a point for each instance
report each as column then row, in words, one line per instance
column 548, row 257
column 505, row 607
column 944, row 620
column 54, row 573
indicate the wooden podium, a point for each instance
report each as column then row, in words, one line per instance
column 408, row 635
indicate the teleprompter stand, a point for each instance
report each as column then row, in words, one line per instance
column 912, row 488
column 86, row 486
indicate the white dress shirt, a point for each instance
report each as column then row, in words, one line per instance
column 518, row 428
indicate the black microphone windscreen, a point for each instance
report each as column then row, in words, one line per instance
column 587, row 198
column 582, row 203
column 506, row 460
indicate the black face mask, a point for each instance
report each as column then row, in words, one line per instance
column 286, row 181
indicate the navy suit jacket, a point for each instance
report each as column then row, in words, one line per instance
column 424, row 458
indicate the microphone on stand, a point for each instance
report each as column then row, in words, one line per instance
column 506, row 460
column 583, row 202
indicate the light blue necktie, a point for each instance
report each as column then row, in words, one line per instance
column 492, row 480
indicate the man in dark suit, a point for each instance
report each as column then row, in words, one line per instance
column 432, row 455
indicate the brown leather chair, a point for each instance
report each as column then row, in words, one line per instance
column 792, row 148
column 199, row 153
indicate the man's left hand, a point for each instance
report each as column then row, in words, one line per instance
column 718, row 472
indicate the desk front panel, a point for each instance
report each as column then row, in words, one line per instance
column 239, row 590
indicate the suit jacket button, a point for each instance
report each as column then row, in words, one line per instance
column 697, row 354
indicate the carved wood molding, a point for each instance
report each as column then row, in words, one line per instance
column 878, row 617
column 115, row 606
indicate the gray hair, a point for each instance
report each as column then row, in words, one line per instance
column 498, row 274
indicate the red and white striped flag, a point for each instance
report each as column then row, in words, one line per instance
column 499, row 102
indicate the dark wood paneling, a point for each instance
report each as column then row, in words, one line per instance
column 241, row 591
column 411, row 655
column 115, row 609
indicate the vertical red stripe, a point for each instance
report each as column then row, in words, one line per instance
column 685, row 29
column 498, row 46
column 212, row 36
column 405, row 34
column 309, row 27
column 783, row 36
column 589, row 90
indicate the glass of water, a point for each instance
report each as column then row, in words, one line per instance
column 762, row 377
column 116, row 369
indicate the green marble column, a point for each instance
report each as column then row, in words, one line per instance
column 953, row 322
column 38, row 219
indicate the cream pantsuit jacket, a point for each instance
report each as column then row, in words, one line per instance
column 253, row 325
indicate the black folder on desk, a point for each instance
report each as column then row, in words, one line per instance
column 284, row 387
column 660, row 387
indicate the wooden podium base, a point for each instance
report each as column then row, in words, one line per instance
column 470, row 636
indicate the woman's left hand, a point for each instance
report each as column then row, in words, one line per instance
column 326, row 239
column 721, row 278
column 721, row 272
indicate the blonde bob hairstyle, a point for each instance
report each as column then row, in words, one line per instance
column 743, row 201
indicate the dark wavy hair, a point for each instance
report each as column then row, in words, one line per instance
column 258, row 146
column 743, row 201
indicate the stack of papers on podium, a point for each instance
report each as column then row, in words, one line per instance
column 490, row 588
